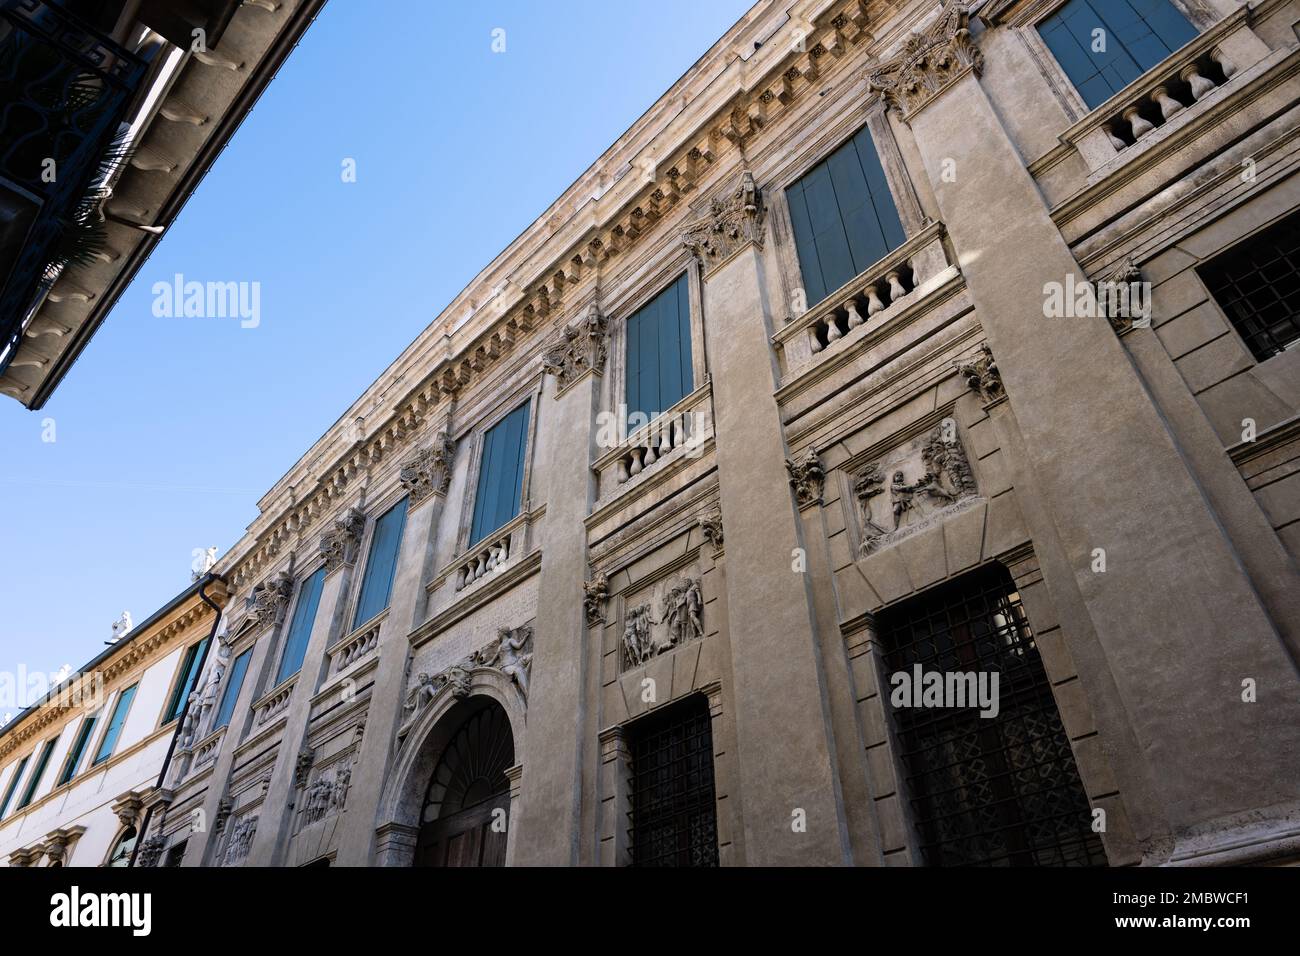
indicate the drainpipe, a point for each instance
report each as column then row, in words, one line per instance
column 208, row 579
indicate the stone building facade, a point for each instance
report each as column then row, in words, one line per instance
column 1012, row 420
column 79, row 768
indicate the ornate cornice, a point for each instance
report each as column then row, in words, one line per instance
column 731, row 222
column 339, row 545
column 429, row 472
column 581, row 347
column 929, row 62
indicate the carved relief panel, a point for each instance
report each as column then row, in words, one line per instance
column 662, row 616
column 912, row 487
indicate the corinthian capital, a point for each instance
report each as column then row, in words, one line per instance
column 582, row 347
column 429, row 472
column 339, row 546
column 930, row 60
column 731, row 222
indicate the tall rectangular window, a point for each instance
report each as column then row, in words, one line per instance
column 78, row 748
column 995, row 790
column 659, row 372
column 844, row 217
column 1104, row 45
column 674, row 813
column 189, row 674
column 501, row 474
column 234, row 681
column 304, row 615
column 37, row 772
column 1257, row 285
column 381, row 563
column 120, row 710
column 13, row 785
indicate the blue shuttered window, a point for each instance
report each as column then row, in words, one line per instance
column 233, row 683
column 304, row 615
column 844, row 217
column 1134, row 36
column 13, row 785
column 78, row 748
column 37, row 772
column 377, row 585
column 115, row 723
column 500, row 474
column 659, row 352
column 189, row 674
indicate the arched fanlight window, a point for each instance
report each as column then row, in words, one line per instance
column 121, row 855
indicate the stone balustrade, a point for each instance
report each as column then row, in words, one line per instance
column 866, row 302
column 1154, row 107
column 667, row 437
column 491, row 554
column 207, row 749
column 273, row 704
column 358, row 646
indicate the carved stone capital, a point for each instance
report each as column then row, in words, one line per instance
column 982, row 375
column 731, row 222
column 271, row 597
column 339, row 545
column 711, row 528
column 593, row 599
column 582, row 347
column 429, row 472
column 807, row 478
column 929, row 62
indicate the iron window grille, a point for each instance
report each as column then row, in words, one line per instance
column 986, row 791
column 673, row 817
column 1257, row 284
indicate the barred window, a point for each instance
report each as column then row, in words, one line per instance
column 1257, row 284
column 673, row 815
column 993, row 791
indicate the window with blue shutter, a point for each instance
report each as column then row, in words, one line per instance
column 233, row 684
column 13, row 785
column 843, row 216
column 1104, row 45
column 501, row 474
column 37, row 772
column 189, row 674
column 304, row 615
column 659, row 371
column 115, row 723
column 78, row 748
column 381, row 563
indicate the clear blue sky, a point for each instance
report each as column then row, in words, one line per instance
column 168, row 430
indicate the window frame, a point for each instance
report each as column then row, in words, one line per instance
column 99, row 760
column 85, row 733
column 481, row 451
column 684, row 279
column 299, row 589
column 532, row 393
column 193, row 654
column 46, row 750
column 20, row 768
column 357, row 585
column 227, row 685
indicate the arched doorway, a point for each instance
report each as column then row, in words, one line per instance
column 466, row 790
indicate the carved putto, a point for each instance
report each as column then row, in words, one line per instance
column 339, row 545
column 429, row 472
column 582, row 347
column 270, row 598
column 510, row 653
column 731, row 222
column 711, row 528
column 807, row 477
column 593, row 599
column 682, row 620
column 929, row 61
column 982, row 375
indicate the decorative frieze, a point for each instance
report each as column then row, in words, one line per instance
column 731, row 222
column 807, row 478
column 327, row 794
column 681, row 620
column 339, row 545
column 593, row 599
column 582, row 347
column 941, row 481
column 982, row 375
column 929, row 62
column 429, row 472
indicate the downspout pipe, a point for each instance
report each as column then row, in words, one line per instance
column 208, row 580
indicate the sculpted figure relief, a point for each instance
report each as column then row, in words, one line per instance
column 682, row 620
